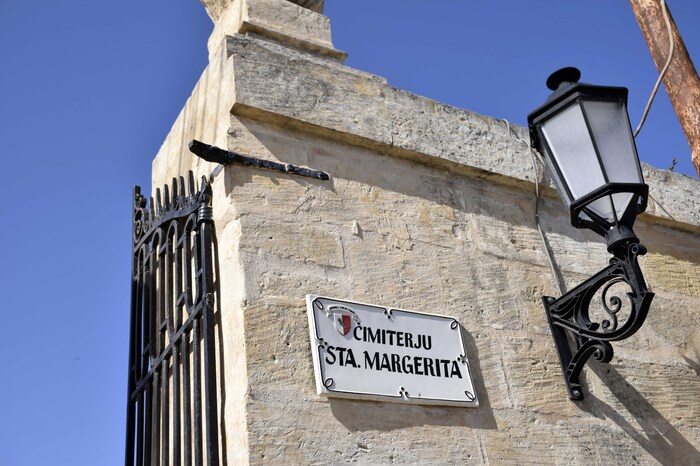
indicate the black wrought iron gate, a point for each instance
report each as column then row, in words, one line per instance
column 172, row 395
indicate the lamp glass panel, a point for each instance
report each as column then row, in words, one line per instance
column 610, row 125
column 571, row 148
column 603, row 207
column 557, row 181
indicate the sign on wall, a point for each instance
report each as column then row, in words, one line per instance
column 381, row 353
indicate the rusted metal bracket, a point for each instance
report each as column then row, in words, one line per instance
column 224, row 157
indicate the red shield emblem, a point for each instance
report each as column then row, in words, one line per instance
column 342, row 323
column 342, row 318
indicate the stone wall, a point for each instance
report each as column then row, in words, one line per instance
column 429, row 208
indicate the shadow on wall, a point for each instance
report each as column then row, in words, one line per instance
column 390, row 416
column 655, row 434
column 262, row 135
column 220, row 347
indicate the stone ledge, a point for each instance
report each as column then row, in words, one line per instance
column 346, row 104
column 215, row 8
column 262, row 30
column 281, row 21
column 313, row 5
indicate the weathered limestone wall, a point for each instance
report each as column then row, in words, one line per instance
column 429, row 208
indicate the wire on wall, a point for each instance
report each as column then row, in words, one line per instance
column 536, row 157
column 671, row 47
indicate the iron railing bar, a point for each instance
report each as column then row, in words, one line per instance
column 196, row 353
column 168, row 258
column 197, row 267
column 196, row 313
column 181, row 301
column 130, row 408
column 140, row 439
column 156, row 417
column 138, row 337
column 176, row 404
column 162, row 297
column 147, row 300
column 208, row 329
column 151, row 303
column 187, row 240
column 148, row 425
column 186, row 399
column 177, row 365
column 142, row 362
column 156, row 310
column 165, row 413
column 178, row 256
column 197, row 395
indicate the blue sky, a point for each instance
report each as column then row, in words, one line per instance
column 89, row 91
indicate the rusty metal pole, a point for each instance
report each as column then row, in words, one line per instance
column 681, row 80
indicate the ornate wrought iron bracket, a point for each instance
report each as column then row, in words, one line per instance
column 570, row 315
column 224, row 157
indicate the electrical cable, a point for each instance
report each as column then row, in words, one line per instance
column 535, row 158
column 671, row 47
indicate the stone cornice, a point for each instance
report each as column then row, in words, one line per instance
column 276, row 83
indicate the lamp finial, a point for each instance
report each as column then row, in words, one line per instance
column 568, row 75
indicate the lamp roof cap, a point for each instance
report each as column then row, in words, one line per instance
column 563, row 76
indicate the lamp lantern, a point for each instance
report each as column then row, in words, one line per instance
column 584, row 134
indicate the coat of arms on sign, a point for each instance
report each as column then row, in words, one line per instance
column 342, row 318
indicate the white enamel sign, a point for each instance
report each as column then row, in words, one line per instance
column 380, row 353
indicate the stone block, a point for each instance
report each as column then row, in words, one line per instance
column 343, row 431
column 389, row 269
column 501, row 237
column 486, row 293
column 278, row 348
column 661, row 394
column 525, row 439
column 318, row 243
column 672, row 323
column 534, row 282
column 534, row 376
column 673, row 198
column 626, row 445
column 497, row 393
column 297, row 24
column 318, row 88
column 290, row 19
column 673, row 274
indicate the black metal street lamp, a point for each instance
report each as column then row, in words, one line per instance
column 584, row 134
